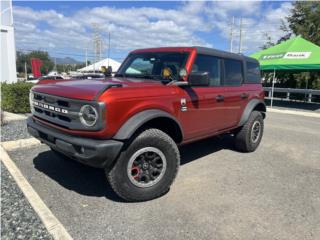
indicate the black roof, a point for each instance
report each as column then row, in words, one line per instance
column 223, row 54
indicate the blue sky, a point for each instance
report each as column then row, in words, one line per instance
column 64, row 28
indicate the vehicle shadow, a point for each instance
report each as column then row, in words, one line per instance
column 92, row 182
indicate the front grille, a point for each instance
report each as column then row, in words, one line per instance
column 63, row 112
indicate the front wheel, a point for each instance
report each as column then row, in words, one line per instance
column 248, row 138
column 147, row 168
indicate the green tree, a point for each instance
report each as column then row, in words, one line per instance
column 22, row 58
column 304, row 20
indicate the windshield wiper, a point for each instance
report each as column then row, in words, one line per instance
column 155, row 77
column 120, row 75
column 146, row 76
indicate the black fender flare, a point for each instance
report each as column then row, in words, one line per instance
column 137, row 120
column 249, row 108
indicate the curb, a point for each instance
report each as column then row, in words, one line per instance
column 52, row 224
column 22, row 143
column 293, row 112
column 8, row 116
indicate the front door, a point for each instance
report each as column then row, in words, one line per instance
column 204, row 112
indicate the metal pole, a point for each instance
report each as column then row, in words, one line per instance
column 305, row 95
column 231, row 35
column 25, row 70
column 86, row 56
column 240, row 36
column 100, row 49
column 272, row 89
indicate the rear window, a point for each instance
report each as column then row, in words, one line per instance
column 253, row 73
column 233, row 72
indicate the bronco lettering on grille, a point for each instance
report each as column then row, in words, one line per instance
column 52, row 108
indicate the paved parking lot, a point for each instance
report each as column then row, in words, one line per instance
column 273, row 193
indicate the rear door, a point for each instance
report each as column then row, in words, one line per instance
column 235, row 94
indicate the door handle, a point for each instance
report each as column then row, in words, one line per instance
column 244, row 95
column 220, row 98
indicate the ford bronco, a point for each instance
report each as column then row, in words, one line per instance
column 132, row 124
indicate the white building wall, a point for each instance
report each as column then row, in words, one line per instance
column 8, row 72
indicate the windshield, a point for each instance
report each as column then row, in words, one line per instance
column 152, row 65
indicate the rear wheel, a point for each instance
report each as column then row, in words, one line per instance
column 248, row 138
column 147, row 168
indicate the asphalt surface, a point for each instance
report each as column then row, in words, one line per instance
column 219, row 193
column 18, row 219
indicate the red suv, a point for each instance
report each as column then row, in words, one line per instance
column 132, row 124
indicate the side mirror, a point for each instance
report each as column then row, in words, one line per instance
column 199, row 79
column 106, row 71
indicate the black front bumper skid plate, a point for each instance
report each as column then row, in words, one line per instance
column 92, row 152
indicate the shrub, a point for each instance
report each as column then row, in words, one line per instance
column 2, row 122
column 15, row 97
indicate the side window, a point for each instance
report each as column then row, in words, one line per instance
column 233, row 72
column 211, row 64
column 253, row 73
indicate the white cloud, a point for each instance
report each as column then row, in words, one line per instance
column 141, row 27
column 257, row 21
column 130, row 28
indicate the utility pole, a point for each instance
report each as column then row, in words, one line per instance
column 231, row 35
column 97, row 44
column 240, row 36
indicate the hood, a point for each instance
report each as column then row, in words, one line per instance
column 89, row 89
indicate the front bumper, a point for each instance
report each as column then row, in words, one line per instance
column 92, row 152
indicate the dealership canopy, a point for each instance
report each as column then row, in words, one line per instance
column 293, row 54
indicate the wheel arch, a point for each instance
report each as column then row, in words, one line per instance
column 253, row 105
column 152, row 118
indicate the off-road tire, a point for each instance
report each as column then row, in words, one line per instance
column 243, row 139
column 118, row 175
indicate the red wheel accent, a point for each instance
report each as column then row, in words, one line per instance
column 135, row 171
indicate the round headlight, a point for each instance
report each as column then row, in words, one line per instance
column 88, row 115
